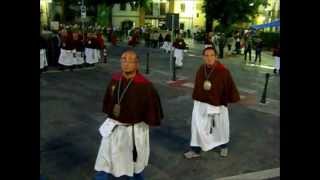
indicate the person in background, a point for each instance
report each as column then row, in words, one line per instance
column 247, row 46
column 43, row 55
column 167, row 45
column 79, row 47
column 90, row 48
column 276, row 55
column 230, row 41
column 258, row 49
column 221, row 44
column 67, row 58
column 208, row 40
column 179, row 47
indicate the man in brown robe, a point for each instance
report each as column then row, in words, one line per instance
column 132, row 105
column 66, row 58
column 214, row 89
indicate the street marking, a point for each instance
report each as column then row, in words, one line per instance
column 265, row 174
column 261, row 66
column 67, row 70
column 188, row 84
column 249, row 91
column 193, row 55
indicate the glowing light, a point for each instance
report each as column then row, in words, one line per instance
column 261, row 19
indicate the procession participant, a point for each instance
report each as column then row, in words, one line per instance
column 79, row 47
column 132, row 105
column 167, row 45
column 208, row 40
column 90, row 48
column 276, row 54
column 179, row 46
column 67, row 59
column 43, row 55
column 101, row 46
column 214, row 89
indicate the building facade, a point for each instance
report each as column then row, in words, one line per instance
column 45, row 12
column 190, row 13
column 123, row 14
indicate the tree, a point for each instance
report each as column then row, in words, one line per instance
column 228, row 12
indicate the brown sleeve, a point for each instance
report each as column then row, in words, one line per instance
column 154, row 112
column 232, row 94
column 108, row 100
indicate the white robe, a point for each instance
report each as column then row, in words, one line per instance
column 91, row 55
column 167, row 46
column 66, row 57
column 202, row 122
column 277, row 62
column 79, row 59
column 43, row 59
column 98, row 54
column 178, row 54
column 115, row 152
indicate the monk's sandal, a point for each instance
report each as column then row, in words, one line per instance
column 191, row 154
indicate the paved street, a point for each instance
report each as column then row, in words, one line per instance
column 70, row 112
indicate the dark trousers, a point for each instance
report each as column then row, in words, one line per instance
column 258, row 55
column 247, row 50
column 107, row 176
column 147, row 43
column 154, row 43
column 221, row 52
column 238, row 47
column 229, row 47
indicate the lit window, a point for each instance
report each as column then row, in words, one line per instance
column 162, row 8
column 182, row 7
column 149, row 9
column 198, row 6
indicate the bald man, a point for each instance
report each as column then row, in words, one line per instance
column 132, row 105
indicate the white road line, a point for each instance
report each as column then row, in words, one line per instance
column 249, row 91
column 188, row 84
column 265, row 174
column 67, row 70
column 261, row 66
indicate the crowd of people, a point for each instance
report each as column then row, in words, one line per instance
column 242, row 43
column 238, row 43
column 70, row 48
